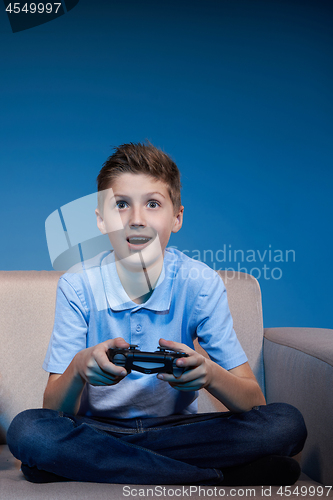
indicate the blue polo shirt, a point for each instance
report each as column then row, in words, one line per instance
column 92, row 306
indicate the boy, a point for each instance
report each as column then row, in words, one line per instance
column 104, row 425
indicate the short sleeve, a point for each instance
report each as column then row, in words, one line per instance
column 215, row 325
column 70, row 328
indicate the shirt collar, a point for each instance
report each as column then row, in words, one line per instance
column 117, row 297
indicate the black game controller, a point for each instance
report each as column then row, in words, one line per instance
column 161, row 361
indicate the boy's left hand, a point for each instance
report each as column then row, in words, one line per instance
column 198, row 368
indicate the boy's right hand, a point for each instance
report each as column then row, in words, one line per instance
column 94, row 367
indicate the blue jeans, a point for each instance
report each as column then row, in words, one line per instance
column 178, row 449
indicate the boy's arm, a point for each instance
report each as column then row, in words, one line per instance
column 92, row 366
column 237, row 388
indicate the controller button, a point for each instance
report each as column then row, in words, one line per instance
column 119, row 359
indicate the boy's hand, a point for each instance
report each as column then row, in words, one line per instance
column 94, row 367
column 236, row 388
column 198, row 368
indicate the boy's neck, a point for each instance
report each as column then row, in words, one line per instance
column 139, row 285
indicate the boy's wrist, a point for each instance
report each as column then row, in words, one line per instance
column 76, row 366
column 213, row 375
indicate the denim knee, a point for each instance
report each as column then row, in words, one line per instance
column 297, row 428
column 287, row 426
column 25, row 438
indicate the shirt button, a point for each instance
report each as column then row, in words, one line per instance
column 138, row 328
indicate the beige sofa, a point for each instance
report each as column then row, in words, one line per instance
column 293, row 365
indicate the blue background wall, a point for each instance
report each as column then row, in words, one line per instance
column 239, row 93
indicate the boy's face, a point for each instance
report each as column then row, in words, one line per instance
column 138, row 216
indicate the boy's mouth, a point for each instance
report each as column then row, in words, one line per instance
column 138, row 242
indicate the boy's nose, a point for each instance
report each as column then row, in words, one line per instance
column 137, row 218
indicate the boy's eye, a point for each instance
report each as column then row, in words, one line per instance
column 153, row 204
column 121, row 204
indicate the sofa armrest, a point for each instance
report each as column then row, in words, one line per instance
column 299, row 371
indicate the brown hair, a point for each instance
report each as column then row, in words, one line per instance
column 141, row 159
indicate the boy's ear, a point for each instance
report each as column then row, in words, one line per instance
column 100, row 222
column 178, row 220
